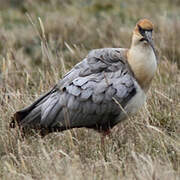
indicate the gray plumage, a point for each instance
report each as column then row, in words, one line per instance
column 84, row 97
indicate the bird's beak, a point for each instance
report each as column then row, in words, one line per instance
column 148, row 37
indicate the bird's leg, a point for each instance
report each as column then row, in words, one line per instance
column 103, row 136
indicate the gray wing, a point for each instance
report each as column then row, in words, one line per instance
column 109, row 59
column 86, row 93
column 84, row 97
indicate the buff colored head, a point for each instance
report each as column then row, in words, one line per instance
column 142, row 34
column 145, row 25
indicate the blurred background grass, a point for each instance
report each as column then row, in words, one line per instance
column 146, row 146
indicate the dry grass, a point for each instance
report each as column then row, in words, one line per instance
column 145, row 147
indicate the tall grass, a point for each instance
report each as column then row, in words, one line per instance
column 39, row 42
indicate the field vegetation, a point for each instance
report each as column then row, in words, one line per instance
column 40, row 40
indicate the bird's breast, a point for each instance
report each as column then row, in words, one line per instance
column 137, row 100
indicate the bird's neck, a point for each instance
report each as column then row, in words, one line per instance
column 143, row 63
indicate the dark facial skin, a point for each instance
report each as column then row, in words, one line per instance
column 147, row 36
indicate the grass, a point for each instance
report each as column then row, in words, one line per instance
column 147, row 146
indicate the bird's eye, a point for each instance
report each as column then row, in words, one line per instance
column 141, row 30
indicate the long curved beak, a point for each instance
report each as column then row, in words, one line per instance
column 148, row 37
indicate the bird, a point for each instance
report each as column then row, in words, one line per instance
column 105, row 88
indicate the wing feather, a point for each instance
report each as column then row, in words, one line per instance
column 84, row 97
column 108, row 76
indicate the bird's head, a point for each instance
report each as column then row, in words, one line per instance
column 142, row 34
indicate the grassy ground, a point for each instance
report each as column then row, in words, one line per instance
column 147, row 146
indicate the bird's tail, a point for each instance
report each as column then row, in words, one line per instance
column 31, row 115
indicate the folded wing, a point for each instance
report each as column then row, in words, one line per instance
column 85, row 96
